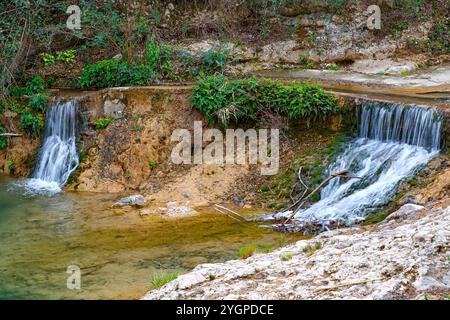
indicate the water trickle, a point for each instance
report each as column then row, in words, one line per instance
column 393, row 142
column 58, row 156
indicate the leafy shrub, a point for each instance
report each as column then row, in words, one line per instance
column 102, row 123
column 35, row 85
column 223, row 101
column 247, row 251
column 38, row 102
column 67, row 56
column 214, row 60
column 3, row 141
column 47, row 58
column 152, row 53
column 115, row 73
column 158, row 280
column 31, row 124
column 439, row 38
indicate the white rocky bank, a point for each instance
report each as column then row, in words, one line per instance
column 404, row 257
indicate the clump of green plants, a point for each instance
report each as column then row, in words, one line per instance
column 287, row 256
column 3, row 141
column 115, row 73
column 405, row 72
column 38, row 102
column 305, row 61
column 223, row 101
column 48, row 59
column 152, row 164
column 439, row 38
column 34, row 86
column 103, row 123
column 31, row 124
column 158, row 280
column 65, row 56
column 247, row 251
column 137, row 128
column 311, row 248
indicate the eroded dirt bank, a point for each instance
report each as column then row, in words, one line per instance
column 405, row 257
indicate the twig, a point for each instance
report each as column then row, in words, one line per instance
column 230, row 216
column 233, row 212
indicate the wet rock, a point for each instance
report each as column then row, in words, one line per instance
column 136, row 200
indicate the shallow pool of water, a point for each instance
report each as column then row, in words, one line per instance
column 117, row 250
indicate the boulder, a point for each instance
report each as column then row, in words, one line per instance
column 136, row 200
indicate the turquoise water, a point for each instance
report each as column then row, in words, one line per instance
column 117, row 249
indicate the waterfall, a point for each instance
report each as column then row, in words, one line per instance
column 393, row 142
column 58, row 156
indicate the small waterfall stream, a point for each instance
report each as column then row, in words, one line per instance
column 393, row 142
column 58, row 156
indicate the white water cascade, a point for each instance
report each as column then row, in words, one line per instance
column 393, row 142
column 58, row 156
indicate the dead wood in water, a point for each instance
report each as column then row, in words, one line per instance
column 219, row 207
column 297, row 205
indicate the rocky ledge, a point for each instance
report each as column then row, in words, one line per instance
column 406, row 256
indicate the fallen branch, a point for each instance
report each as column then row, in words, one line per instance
column 231, row 211
column 299, row 175
column 10, row 134
column 228, row 215
column 297, row 204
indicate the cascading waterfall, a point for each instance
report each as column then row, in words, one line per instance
column 393, row 142
column 58, row 156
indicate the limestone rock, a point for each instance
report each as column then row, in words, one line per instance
column 136, row 200
column 399, row 259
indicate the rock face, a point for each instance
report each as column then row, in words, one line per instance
column 403, row 257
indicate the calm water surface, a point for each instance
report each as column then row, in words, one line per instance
column 117, row 250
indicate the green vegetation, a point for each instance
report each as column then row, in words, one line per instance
column 406, row 72
column 305, row 61
column 223, row 101
column 152, row 164
column 439, row 38
column 247, row 251
column 158, row 280
column 38, row 102
column 115, row 73
column 333, row 67
column 159, row 62
column 311, row 248
column 3, row 141
column 65, row 56
column 31, row 124
column 286, row 256
column 103, row 123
